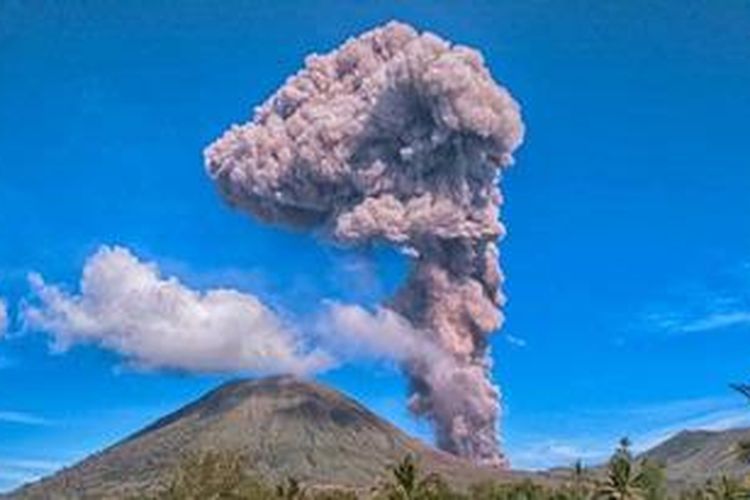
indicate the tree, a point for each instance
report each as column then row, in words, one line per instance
column 653, row 480
column 743, row 389
column 579, row 487
column 624, row 481
column 408, row 485
column 726, row 488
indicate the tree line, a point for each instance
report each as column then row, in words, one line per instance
column 221, row 475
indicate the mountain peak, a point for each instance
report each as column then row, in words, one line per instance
column 281, row 426
column 281, row 395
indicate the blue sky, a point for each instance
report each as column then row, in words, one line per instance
column 628, row 254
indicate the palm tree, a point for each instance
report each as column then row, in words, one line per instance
column 625, row 446
column 743, row 389
column 579, row 480
column 405, row 473
column 624, row 480
column 578, row 471
column 408, row 485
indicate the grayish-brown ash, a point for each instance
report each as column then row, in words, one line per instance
column 398, row 137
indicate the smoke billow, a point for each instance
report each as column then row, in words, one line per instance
column 398, row 137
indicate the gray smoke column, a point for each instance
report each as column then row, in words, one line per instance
column 398, row 137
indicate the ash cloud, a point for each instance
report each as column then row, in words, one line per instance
column 126, row 306
column 397, row 137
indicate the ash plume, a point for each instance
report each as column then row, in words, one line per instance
column 397, row 137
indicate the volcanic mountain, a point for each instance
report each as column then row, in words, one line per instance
column 693, row 456
column 281, row 426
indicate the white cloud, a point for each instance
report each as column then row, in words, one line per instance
column 591, row 435
column 712, row 319
column 155, row 322
column 550, row 453
column 717, row 321
column 719, row 303
column 3, row 317
column 17, row 417
column 725, row 414
column 15, row 471
column 354, row 332
column 516, row 341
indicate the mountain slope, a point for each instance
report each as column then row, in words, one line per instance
column 282, row 426
column 694, row 456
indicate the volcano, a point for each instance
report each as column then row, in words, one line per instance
column 281, row 427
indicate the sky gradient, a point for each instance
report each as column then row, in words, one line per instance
column 628, row 253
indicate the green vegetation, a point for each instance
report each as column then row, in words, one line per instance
column 222, row 476
column 628, row 479
column 407, row 483
column 214, row 476
column 169, row 461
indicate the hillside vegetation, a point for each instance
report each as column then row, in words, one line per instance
column 283, row 438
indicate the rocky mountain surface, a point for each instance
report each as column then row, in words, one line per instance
column 281, row 426
column 695, row 456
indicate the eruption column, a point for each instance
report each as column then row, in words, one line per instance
column 398, row 137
